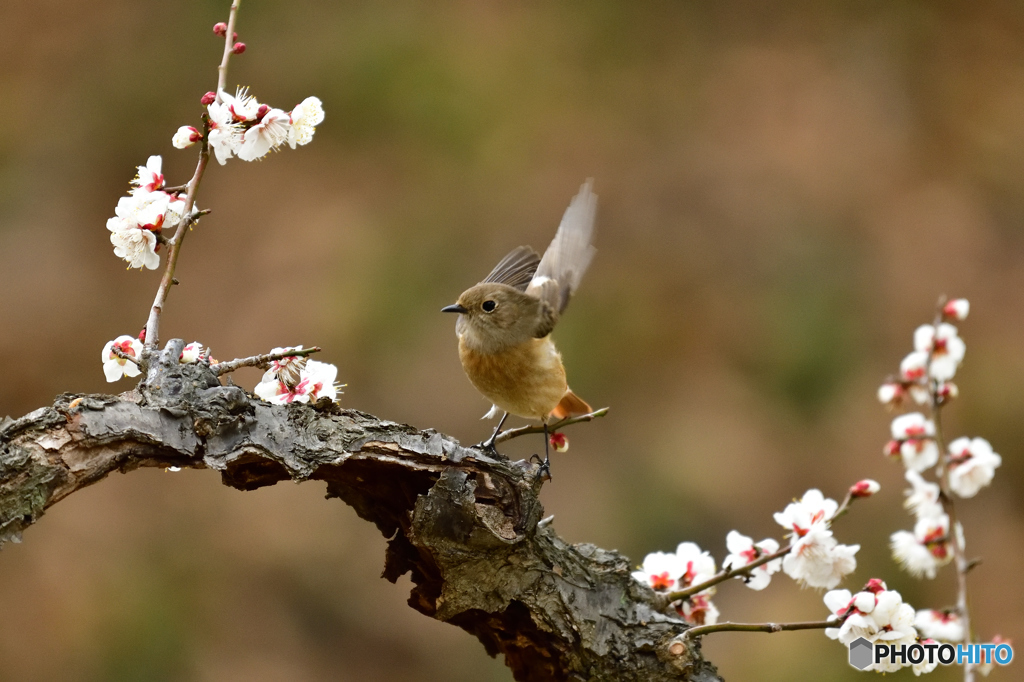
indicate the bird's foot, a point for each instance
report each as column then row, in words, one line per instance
column 544, row 466
column 489, row 445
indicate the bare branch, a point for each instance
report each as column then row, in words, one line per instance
column 554, row 426
column 229, row 37
column 262, row 361
column 701, row 630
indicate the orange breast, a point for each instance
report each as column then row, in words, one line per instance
column 527, row 380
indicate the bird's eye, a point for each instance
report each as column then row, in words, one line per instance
column 489, row 306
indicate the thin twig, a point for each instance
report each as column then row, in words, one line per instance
column 261, row 361
column 760, row 627
column 153, row 323
column 963, row 565
column 229, row 37
column 568, row 421
column 724, row 575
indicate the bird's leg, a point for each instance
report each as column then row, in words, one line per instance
column 545, row 468
column 489, row 443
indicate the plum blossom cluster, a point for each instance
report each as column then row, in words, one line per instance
column 968, row 464
column 121, row 357
column 879, row 615
column 813, row 557
column 139, row 218
column 240, row 126
column 816, row 559
column 687, row 566
column 962, row 469
column 296, row 379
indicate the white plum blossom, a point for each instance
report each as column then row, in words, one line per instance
column 149, row 179
column 304, row 118
column 914, row 366
column 944, row 626
column 876, row 614
column 972, row 465
column 923, row 497
column 322, row 379
column 891, row 393
column 186, row 136
column 957, row 309
column 661, row 571
column 743, row 551
column 242, row 106
column 143, row 209
column 698, row 610
column 225, row 136
column 115, row 367
column 268, row 134
column 191, row 352
column 316, row 380
column 813, row 508
column 914, row 441
column 698, row 566
column 944, row 346
column 818, row 560
column 134, row 244
column 923, row 551
column 854, row 610
column 896, row 627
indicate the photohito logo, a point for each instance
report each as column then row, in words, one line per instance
column 863, row 653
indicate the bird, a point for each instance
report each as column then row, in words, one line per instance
column 505, row 323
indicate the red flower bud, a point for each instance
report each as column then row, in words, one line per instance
column 238, row 48
column 892, row 448
column 220, row 29
column 208, row 98
column 559, row 442
column 142, row 335
column 875, row 585
column 865, row 488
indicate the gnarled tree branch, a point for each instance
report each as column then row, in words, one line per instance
column 462, row 522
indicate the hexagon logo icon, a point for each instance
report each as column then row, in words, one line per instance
column 861, row 653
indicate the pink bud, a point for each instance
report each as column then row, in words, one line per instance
column 261, row 112
column 238, row 48
column 892, row 448
column 142, row 335
column 865, row 488
column 891, row 394
column 875, row 585
column 559, row 442
column 220, row 29
column 947, row 391
column 208, row 98
column 234, row 37
column 957, row 309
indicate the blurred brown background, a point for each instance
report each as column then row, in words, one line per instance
column 785, row 189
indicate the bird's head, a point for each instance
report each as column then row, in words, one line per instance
column 493, row 317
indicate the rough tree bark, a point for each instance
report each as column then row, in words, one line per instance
column 466, row 525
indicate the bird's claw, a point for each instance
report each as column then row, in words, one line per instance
column 544, row 466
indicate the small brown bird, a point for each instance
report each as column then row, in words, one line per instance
column 505, row 323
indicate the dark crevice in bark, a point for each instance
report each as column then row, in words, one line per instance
column 461, row 522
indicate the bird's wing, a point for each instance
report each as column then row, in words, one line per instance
column 516, row 269
column 561, row 269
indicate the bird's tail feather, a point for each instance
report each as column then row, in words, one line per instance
column 571, row 405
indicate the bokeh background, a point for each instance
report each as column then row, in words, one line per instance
column 785, row 190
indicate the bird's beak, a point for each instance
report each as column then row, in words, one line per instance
column 454, row 308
